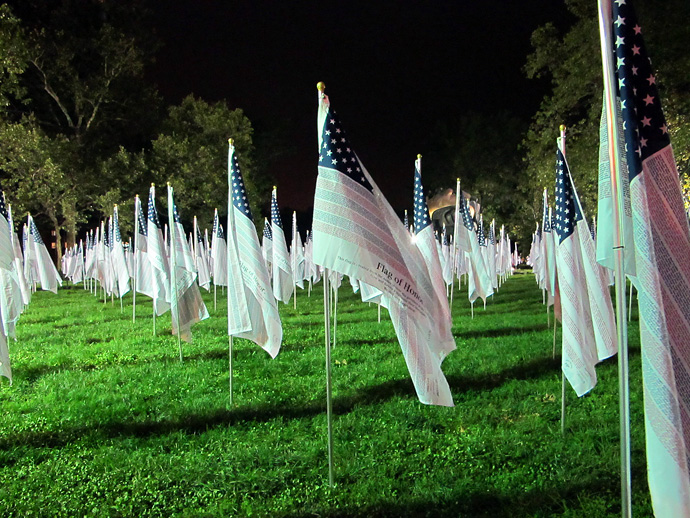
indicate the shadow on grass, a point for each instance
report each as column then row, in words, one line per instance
column 487, row 502
column 503, row 331
column 201, row 422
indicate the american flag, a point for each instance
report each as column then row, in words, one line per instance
column 280, row 262
column 48, row 275
column 119, row 261
column 267, row 245
column 158, row 258
column 662, row 248
column 219, row 253
column 357, row 233
column 187, row 306
column 252, row 309
column 579, row 346
column 426, row 243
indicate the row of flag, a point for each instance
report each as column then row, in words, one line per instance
column 641, row 232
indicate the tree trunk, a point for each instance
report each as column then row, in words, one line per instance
column 57, row 238
column 69, row 212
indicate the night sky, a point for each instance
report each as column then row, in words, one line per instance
column 392, row 71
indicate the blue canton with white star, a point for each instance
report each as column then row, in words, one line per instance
column 116, row 227
column 466, row 216
column 567, row 211
column 176, row 214
column 143, row 230
column 239, row 193
column 545, row 221
column 3, row 207
column 275, row 213
column 153, row 214
column 644, row 123
column 267, row 231
column 336, row 152
column 421, row 210
column 35, row 233
column 492, row 235
column 480, row 233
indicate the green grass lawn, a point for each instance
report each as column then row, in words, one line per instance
column 104, row 420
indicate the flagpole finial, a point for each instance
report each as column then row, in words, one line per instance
column 419, row 155
column 320, row 86
column 153, row 184
column 231, row 141
column 274, row 188
column 562, row 128
column 168, row 184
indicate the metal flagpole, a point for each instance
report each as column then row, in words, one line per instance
column 230, row 367
column 605, row 26
column 630, row 303
column 335, row 312
column 329, row 402
column 135, row 242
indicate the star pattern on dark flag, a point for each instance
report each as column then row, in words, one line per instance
column 176, row 214
column 492, row 235
column 336, row 152
column 143, row 230
column 153, row 214
column 546, row 221
column 421, row 210
column 268, row 234
column 567, row 211
column 239, row 193
column 217, row 227
column 466, row 216
column 480, row 233
column 116, row 227
column 275, row 212
column 3, row 207
column 35, row 233
column 644, row 123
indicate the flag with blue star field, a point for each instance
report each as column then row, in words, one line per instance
column 280, row 260
column 662, row 249
column 187, row 306
column 579, row 355
column 357, row 233
column 48, row 276
column 426, row 243
column 158, row 258
column 143, row 280
column 6, row 247
column 201, row 259
column 548, row 249
column 11, row 298
column 479, row 283
column 595, row 277
column 117, row 255
column 267, row 245
column 252, row 308
column 219, row 253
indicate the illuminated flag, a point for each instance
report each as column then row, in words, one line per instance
column 662, row 248
column 357, row 233
column 219, row 252
column 187, row 306
column 280, row 262
column 158, row 258
column 48, row 276
column 252, row 308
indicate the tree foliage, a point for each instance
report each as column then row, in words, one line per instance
column 571, row 60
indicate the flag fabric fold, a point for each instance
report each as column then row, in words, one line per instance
column 252, row 308
column 357, row 233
